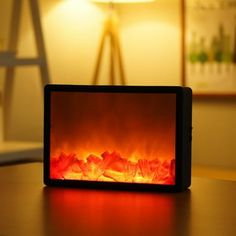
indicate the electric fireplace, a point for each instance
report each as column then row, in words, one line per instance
column 129, row 137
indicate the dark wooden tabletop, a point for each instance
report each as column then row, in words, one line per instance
column 29, row 208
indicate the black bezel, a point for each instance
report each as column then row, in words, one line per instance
column 183, row 136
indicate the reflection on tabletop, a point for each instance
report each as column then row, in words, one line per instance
column 92, row 212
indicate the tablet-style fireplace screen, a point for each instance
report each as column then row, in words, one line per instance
column 125, row 137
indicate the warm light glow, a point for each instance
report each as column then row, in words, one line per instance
column 74, row 7
column 122, row 1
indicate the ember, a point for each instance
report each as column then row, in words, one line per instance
column 112, row 167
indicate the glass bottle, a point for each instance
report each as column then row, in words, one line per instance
column 202, row 56
column 193, row 55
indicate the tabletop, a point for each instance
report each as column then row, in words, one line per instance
column 27, row 207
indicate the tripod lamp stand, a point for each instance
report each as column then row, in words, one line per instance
column 110, row 34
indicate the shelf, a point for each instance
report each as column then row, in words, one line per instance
column 12, row 151
column 10, row 60
column 214, row 172
column 7, row 54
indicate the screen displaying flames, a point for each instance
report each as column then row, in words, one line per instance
column 113, row 137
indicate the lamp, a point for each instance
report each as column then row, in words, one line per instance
column 110, row 33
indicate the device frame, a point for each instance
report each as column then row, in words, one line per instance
column 183, row 137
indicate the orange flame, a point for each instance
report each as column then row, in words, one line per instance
column 112, row 167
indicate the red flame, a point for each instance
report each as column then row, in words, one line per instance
column 112, row 167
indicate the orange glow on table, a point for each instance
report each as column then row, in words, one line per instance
column 91, row 212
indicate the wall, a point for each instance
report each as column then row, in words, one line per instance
column 150, row 37
column 214, row 132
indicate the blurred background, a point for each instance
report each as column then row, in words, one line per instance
column 150, row 35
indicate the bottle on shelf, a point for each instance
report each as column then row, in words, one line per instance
column 193, row 49
column 213, row 49
column 234, row 48
column 219, row 50
column 1, row 44
column 202, row 56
